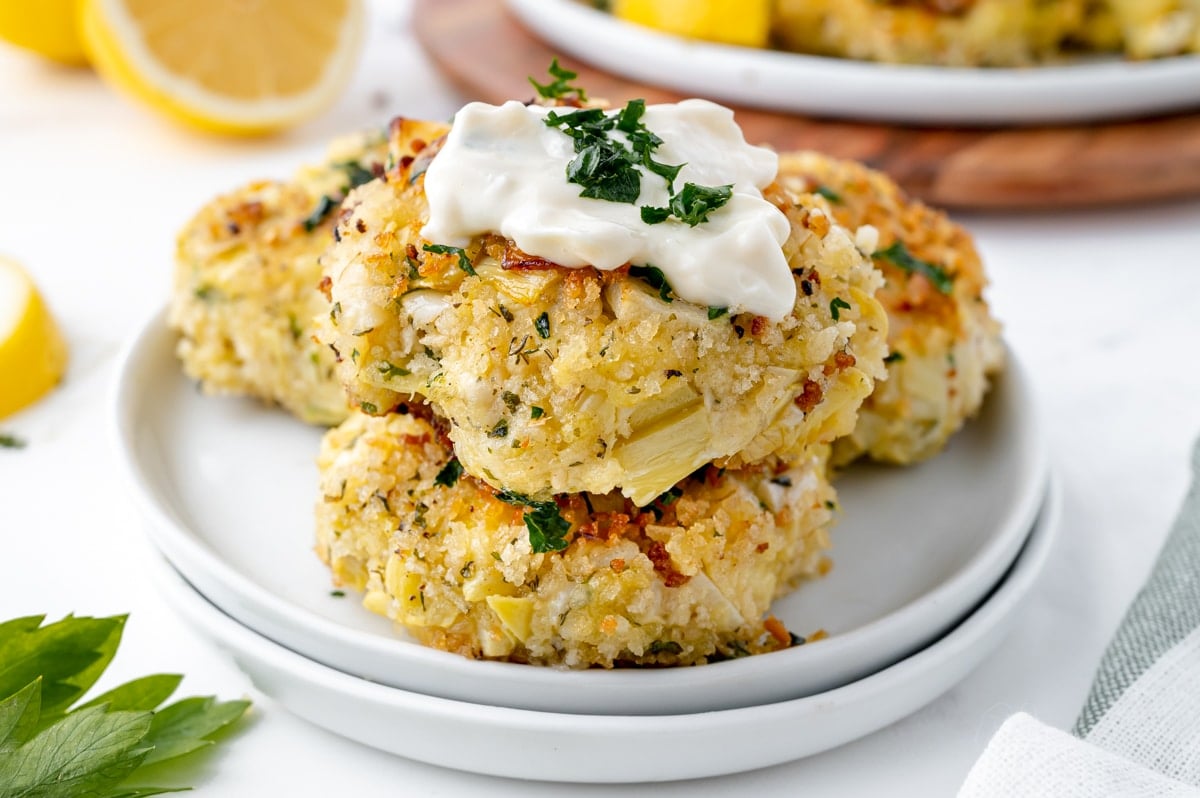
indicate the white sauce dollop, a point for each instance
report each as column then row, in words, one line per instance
column 503, row 170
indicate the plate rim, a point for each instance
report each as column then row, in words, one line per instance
column 1049, row 92
column 180, row 544
column 967, row 644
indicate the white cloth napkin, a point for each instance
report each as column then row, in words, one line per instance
column 1139, row 732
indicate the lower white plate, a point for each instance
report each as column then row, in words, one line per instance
column 1097, row 88
column 561, row 747
column 227, row 488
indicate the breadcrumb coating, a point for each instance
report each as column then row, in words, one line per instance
column 559, row 380
column 944, row 345
column 683, row 581
column 246, row 280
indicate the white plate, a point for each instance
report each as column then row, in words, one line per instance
column 227, row 488
column 612, row 748
column 1095, row 89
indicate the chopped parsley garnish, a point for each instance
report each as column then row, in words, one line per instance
column 500, row 430
column 715, row 312
column 368, row 408
column 356, row 174
column 325, row 205
column 547, row 528
column 691, row 205
column 561, row 86
column 511, row 400
column 536, row 412
column 829, row 194
column 608, row 170
column 836, row 306
column 542, row 325
column 894, row 357
column 656, row 279
column 665, row 647
column 337, row 593
column 670, row 497
column 8, row 441
column 464, row 262
column 898, row 255
column 448, row 476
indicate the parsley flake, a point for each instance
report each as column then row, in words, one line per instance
column 898, row 255
column 829, row 194
column 542, row 325
column 547, row 528
column 448, row 476
column 561, row 86
column 536, row 412
column 8, row 441
column 325, row 206
column 656, row 279
column 836, row 306
column 691, row 205
column 464, row 262
column 715, row 312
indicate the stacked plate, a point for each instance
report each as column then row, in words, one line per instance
column 931, row 565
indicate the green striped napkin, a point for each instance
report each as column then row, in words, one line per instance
column 1139, row 731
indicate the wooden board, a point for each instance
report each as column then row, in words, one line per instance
column 484, row 50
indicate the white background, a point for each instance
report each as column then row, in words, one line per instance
column 1103, row 306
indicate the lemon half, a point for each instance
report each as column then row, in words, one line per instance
column 33, row 353
column 231, row 66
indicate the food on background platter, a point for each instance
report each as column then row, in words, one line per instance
column 246, row 284
column 574, row 439
column 683, row 580
column 33, row 352
column 944, row 345
column 960, row 33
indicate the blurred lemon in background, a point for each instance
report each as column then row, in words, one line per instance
column 33, row 353
column 744, row 22
column 47, row 27
column 230, row 66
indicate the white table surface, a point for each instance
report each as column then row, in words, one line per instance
column 1103, row 306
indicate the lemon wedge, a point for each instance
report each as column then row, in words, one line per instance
column 742, row 22
column 229, row 66
column 33, row 354
column 46, row 27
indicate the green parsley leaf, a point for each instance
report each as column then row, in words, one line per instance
column 547, row 528
column 8, row 441
column 829, row 194
column 692, row 205
column 536, row 412
column 356, row 174
column 325, row 206
column 561, row 85
column 51, row 749
column 894, row 357
column 464, row 262
column 898, row 255
column 605, row 172
column 715, row 312
column 836, row 306
column 448, row 476
column 542, row 325
column 656, row 279
column 369, row 408
column 500, row 430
